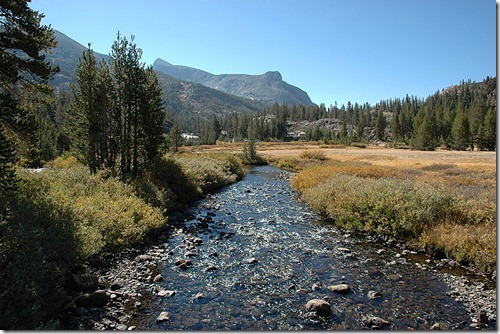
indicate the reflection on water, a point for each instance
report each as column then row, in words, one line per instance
column 267, row 255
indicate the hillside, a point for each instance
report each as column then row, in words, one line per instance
column 177, row 94
column 67, row 55
column 268, row 87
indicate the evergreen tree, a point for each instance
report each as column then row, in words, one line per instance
column 488, row 131
column 85, row 109
column 153, row 115
column 24, row 75
column 425, row 137
column 175, row 137
column 460, row 130
column 380, row 124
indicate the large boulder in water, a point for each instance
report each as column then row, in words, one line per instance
column 319, row 306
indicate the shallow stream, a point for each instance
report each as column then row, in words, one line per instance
column 258, row 255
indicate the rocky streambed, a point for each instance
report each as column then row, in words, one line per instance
column 253, row 257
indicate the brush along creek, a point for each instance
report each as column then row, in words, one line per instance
column 253, row 257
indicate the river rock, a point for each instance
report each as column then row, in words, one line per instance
column 164, row 316
column 319, row 306
column 374, row 322
column 211, row 268
column 190, row 254
column 166, row 293
column 339, row 288
column 183, row 263
column 83, row 282
column 252, row 260
column 394, row 277
column 158, row 278
column 143, row 257
column 374, row 294
column 482, row 316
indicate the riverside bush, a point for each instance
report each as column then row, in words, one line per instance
column 383, row 206
column 210, row 171
column 415, row 212
column 62, row 216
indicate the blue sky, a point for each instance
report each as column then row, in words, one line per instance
column 336, row 50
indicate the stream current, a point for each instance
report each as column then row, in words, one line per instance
column 258, row 255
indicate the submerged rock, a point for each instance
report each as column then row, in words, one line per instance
column 319, row 306
column 374, row 322
column 374, row 294
column 164, row 316
column 339, row 288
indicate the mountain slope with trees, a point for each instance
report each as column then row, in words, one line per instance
column 268, row 87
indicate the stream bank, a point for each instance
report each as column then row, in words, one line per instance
column 251, row 256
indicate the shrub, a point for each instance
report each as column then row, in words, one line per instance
column 313, row 154
column 211, row 171
column 381, row 201
column 383, row 206
column 467, row 244
column 64, row 162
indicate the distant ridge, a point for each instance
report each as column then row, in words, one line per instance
column 177, row 94
column 268, row 87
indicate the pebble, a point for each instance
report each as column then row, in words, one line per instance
column 374, row 294
column 164, row 316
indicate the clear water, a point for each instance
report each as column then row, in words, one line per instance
column 261, row 218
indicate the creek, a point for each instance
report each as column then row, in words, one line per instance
column 258, row 255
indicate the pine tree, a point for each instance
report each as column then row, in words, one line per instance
column 460, row 130
column 488, row 131
column 85, row 111
column 24, row 75
column 425, row 137
column 152, row 116
column 380, row 124
column 175, row 137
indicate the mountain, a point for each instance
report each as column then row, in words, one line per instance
column 177, row 94
column 268, row 87
column 67, row 55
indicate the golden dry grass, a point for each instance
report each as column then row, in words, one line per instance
column 468, row 177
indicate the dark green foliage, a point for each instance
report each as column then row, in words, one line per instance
column 460, row 130
column 36, row 254
column 175, row 137
column 487, row 132
column 8, row 178
column 380, row 125
column 23, row 79
column 118, row 111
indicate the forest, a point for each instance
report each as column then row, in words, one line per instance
column 460, row 117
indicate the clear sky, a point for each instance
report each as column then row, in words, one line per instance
column 336, row 50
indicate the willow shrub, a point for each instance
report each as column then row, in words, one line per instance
column 104, row 210
column 384, row 206
column 62, row 216
column 416, row 212
column 210, row 171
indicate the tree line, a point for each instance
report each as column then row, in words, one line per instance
column 460, row 117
